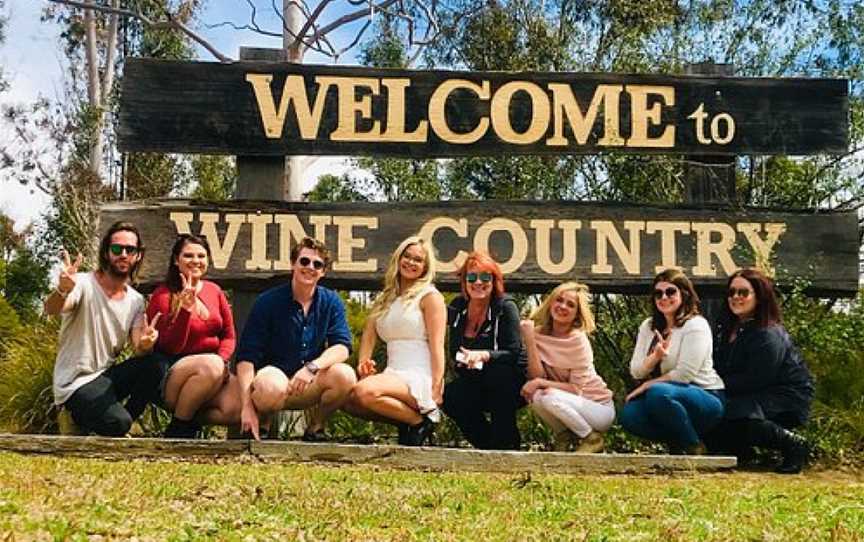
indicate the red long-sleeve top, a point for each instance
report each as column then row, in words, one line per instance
column 185, row 333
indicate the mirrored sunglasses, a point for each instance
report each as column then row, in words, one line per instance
column 117, row 249
column 482, row 277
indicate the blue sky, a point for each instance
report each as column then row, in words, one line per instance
column 33, row 64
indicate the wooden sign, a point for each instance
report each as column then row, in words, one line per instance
column 615, row 248
column 264, row 108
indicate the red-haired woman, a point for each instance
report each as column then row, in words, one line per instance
column 768, row 386
column 490, row 363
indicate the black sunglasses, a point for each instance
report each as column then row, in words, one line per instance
column 671, row 291
column 482, row 277
column 117, row 249
column 305, row 261
column 740, row 292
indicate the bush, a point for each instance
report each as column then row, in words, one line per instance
column 26, row 368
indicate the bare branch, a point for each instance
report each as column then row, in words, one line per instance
column 351, row 17
column 309, row 22
column 111, row 54
column 170, row 23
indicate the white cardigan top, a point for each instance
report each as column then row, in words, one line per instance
column 689, row 357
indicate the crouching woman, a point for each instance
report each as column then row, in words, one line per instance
column 563, row 388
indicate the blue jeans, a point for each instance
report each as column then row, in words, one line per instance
column 671, row 412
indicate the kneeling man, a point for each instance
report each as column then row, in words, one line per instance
column 293, row 348
column 100, row 313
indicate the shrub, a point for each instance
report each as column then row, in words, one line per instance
column 26, row 367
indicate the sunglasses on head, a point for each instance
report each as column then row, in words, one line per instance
column 482, row 277
column 306, row 261
column 660, row 293
column 740, row 292
column 118, row 249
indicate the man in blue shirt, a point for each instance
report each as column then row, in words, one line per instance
column 293, row 348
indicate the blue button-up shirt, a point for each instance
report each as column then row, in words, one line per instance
column 278, row 333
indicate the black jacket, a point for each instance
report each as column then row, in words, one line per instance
column 764, row 373
column 506, row 339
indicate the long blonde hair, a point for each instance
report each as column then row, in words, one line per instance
column 584, row 320
column 391, row 277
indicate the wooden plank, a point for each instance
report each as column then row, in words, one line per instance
column 389, row 456
column 243, row 108
column 470, row 460
column 616, row 248
column 105, row 447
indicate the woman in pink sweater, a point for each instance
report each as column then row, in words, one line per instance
column 563, row 388
column 196, row 336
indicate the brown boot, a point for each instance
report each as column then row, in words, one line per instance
column 696, row 449
column 591, row 444
column 564, row 441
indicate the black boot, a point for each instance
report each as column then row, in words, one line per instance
column 403, row 434
column 795, row 453
column 417, row 435
column 767, row 434
column 186, row 429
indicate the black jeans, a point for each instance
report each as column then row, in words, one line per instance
column 494, row 390
column 97, row 406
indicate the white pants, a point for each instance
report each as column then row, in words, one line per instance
column 563, row 410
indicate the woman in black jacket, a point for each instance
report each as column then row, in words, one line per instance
column 490, row 364
column 768, row 386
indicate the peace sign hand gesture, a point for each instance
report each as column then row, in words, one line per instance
column 149, row 333
column 66, row 282
column 187, row 295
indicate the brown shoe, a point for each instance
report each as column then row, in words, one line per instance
column 66, row 425
column 564, row 441
column 591, row 444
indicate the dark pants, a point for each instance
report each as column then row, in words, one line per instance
column 97, row 406
column 738, row 437
column 678, row 414
column 493, row 390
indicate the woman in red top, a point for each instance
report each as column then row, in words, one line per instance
column 196, row 335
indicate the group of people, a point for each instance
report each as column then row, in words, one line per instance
column 745, row 386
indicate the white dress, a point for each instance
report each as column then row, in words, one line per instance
column 403, row 328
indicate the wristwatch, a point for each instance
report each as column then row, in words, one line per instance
column 312, row 367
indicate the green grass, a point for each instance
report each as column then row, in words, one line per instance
column 51, row 498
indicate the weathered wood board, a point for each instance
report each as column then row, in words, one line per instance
column 268, row 108
column 615, row 248
column 394, row 457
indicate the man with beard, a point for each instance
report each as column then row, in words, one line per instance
column 100, row 313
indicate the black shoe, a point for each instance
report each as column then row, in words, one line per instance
column 315, row 436
column 403, row 434
column 418, row 435
column 182, row 429
column 795, row 453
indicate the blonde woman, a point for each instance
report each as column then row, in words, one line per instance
column 410, row 316
column 563, row 388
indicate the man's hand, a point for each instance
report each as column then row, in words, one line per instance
column 300, row 381
column 66, row 281
column 149, row 334
column 366, row 367
column 249, row 420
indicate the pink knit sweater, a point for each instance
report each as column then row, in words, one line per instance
column 571, row 359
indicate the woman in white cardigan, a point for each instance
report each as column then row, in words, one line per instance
column 680, row 397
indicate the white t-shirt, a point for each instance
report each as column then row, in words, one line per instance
column 92, row 334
